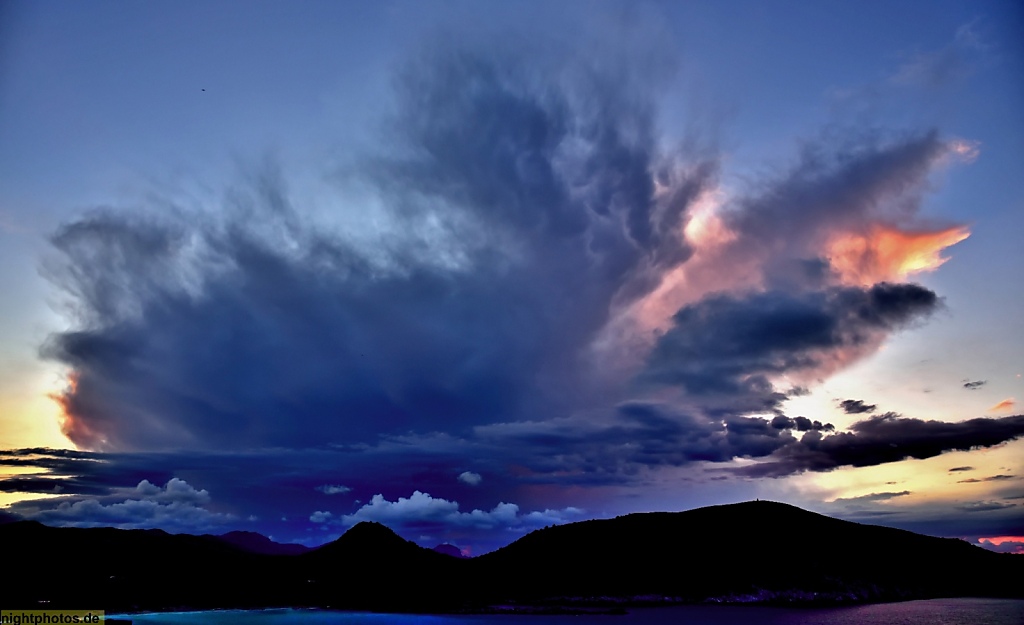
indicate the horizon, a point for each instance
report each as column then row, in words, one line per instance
column 469, row 269
column 463, row 553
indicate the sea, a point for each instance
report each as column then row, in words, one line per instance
column 930, row 612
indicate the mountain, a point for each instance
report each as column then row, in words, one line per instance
column 753, row 551
column 449, row 549
column 750, row 551
column 128, row 569
column 258, row 543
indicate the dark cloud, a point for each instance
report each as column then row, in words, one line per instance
column 519, row 211
column 48, row 485
column 873, row 497
column 882, row 439
column 727, row 347
column 955, row 469
column 991, row 478
column 985, row 506
column 176, row 506
column 801, row 424
column 973, row 386
column 523, row 212
column 856, row 406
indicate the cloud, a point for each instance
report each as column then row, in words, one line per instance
column 991, row 478
column 421, row 507
column 530, row 245
column 954, row 61
column 856, row 406
column 421, row 510
column 955, row 469
column 883, row 439
column 540, row 285
column 975, row 385
column 518, row 209
column 1004, row 406
column 175, row 491
column 1003, row 544
column 468, row 477
column 333, row 489
column 801, row 424
column 873, row 497
column 320, row 516
column 725, row 349
column 985, row 506
column 175, row 506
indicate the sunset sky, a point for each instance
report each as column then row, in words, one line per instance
column 474, row 268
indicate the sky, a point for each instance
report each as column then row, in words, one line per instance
column 470, row 269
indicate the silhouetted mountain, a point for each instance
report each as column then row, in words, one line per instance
column 129, row 569
column 370, row 567
column 754, row 551
column 449, row 549
column 750, row 551
column 258, row 543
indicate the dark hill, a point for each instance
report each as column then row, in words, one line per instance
column 126, row 569
column 754, row 549
column 449, row 549
column 371, row 567
column 258, row 543
column 750, row 551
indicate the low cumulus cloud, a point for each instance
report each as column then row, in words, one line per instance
column 320, row 516
column 420, row 510
column 175, row 506
column 333, row 489
column 468, row 477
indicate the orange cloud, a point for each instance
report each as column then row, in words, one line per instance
column 887, row 253
column 76, row 429
column 1013, row 544
column 1004, row 406
column 998, row 540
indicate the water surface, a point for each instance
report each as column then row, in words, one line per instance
column 931, row 612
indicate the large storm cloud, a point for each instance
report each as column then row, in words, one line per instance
column 543, row 291
column 518, row 214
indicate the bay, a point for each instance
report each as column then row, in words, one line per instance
column 931, row 612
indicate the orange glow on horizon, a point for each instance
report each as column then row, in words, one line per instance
column 998, row 540
column 886, row 253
